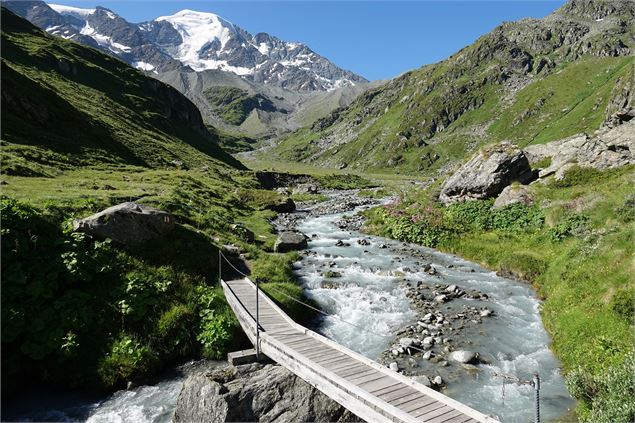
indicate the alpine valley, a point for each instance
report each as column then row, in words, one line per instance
column 468, row 224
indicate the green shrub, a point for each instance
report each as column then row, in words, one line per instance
column 275, row 268
column 347, row 181
column 568, row 226
column 128, row 359
column 174, row 331
column 468, row 215
column 608, row 396
column 623, row 304
column 516, row 217
column 217, row 324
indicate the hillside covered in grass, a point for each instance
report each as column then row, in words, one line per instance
column 67, row 105
column 531, row 81
column 82, row 131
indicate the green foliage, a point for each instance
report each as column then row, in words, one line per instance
column 516, row 217
column 568, row 226
column 174, row 331
column 275, row 268
column 623, row 304
column 128, row 359
column 217, row 324
column 606, row 397
column 577, row 175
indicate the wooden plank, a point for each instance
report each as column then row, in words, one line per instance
column 403, row 390
column 438, row 412
column 411, row 407
column 319, row 356
column 369, row 378
column 403, row 400
column 351, row 376
column 447, row 416
column 325, row 364
column 427, row 409
column 343, row 369
column 390, row 388
column 374, row 386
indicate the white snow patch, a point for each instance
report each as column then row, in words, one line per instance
column 52, row 28
column 143, row 66
column 110, row 14
column 263, row 48
column 197, row 29
column 104, row 40
column 70, row 10
column 203, row 64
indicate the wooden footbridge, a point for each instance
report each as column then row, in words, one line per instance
column 366, row 388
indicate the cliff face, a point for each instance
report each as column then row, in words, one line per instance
column 255, row 392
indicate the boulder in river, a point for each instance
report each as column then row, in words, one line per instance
column 127, row 224
column 487, row 173
column 464, row 357
column 290, row 241
column 255, row 392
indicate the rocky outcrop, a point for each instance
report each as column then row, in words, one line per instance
column 513, row 194
column 127, row 224
column 621, row 106
column 487, row 174
column 286, row 205
column 290, row 241
column 611, row 147
column 255, row 392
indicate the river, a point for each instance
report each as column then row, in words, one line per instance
column 369, row 307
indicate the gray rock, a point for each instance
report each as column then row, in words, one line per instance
column 394, row 366
column 306, row 189
column 127, row 224
column 243, row 233
column 513, row 194
column 290, row 241
column 254, row 392
column 437, row 380
column 486, row 174
column 464, row 357
column 284, row 206
column 424, row 380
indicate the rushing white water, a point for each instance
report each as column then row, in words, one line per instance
column 369, row 295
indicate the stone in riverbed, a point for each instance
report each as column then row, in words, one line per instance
column 464, row 357
column 290, row 241
column 424, row 380
column 394, row 366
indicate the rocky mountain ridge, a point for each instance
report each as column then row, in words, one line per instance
column 530, row 81
column 190, row 41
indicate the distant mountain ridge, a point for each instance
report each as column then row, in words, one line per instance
column 190, row 41
column 529, row 81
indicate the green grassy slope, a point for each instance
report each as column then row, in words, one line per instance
column 82, row 131
column 530, row 81
column 67, row 105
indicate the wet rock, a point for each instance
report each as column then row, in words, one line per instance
column 341, row 243
column 363, row 242
column 254, row 392
column 424, row 380
column 394, row 366
column 290, row 241
column 127, row 224
column 441, row 298
column 486, row 313
column 464, row 357
column 332, row 274
column 437, row 381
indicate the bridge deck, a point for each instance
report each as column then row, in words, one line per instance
column 368, row 389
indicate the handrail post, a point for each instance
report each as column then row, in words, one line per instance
column 536, row 397
column 220, row 274
column 257, row 322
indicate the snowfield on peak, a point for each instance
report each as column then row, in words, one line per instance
column 198, row 30
column 70, row 10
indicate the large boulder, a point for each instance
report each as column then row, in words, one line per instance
column 515, row 193
column 127, row 224
column 285, row 205
column 290, row 241
column 464, row 357
column 486, row 174
column 255, row 392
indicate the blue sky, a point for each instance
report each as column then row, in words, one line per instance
column 376, row 39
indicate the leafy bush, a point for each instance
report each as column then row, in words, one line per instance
column 128, row 359
column 469, row 215
column 216, row 325
column 608, row 396
column 623, row 304
column 275, row 268
column 516, row 217
column 174, row 331
column 567, row 226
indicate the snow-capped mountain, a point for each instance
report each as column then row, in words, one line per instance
column 190, row 40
